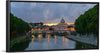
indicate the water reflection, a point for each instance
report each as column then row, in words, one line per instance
column 55, row 41
column 48, row 37
column 32, row 39
column 50, row 42
column 55, row 36
column 66, row 39
column 63, row 44
column 63, row 38
column 39, row 39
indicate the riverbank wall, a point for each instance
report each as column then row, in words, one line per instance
column 83, row 40
column 19, row 39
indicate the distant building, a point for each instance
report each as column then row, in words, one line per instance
column 36, row 24
column 62, row 25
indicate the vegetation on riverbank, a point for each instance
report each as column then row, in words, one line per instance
column 18, row 30
column 17, row 25
column 88, row 22
column 80, row 45
column 20, row 46
column 15, row 40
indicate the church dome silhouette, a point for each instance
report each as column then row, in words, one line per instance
column 62, row 20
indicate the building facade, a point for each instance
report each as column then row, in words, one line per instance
column 62, row 25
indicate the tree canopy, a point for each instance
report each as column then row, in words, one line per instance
column 17, row 25
column 88, row 22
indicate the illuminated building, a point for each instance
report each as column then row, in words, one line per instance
column 62, row 25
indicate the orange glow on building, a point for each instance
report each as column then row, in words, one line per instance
column 39, row 29
column 72, row 29
column 47, row 28
column 65, row 28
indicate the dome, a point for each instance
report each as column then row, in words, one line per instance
column 62, row 20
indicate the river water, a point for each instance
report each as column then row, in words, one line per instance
column 48, row 42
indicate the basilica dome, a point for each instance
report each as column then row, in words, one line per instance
column 62, row 25
column 62, row 20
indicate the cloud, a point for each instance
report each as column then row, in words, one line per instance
column 48, row 12
column 32, row 5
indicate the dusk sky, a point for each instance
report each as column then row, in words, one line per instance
column 48, row 12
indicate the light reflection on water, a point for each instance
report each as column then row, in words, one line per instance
column 49, row 42
column 32, row 39
column 55, row 38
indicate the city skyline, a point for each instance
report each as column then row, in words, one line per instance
column 48, row 13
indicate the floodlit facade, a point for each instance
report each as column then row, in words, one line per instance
column 62, row 25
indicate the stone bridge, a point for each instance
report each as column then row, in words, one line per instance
column 61, row 31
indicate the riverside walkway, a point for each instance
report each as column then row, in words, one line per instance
column 87, row 40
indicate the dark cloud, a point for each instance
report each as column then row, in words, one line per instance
column 48, row 12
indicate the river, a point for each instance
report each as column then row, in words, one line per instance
column 49, row 42
column 56, row 42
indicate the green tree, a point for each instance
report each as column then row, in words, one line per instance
column 18, row 25
column 88, row 22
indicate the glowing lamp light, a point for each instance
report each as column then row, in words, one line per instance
column 73, row 29
column 39, row 36
column 33, row 36
column 32, row 32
